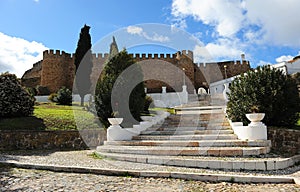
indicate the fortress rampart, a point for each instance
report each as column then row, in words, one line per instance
column 57, row 69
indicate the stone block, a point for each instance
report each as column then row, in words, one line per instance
column 238, row 165
column 281, row 164
column 190, row 163
column 202, row 164
column 250, row 165
column 155, row 174
column 270, row 165
column 260, row 166
column 214, row 164
column 226, row 165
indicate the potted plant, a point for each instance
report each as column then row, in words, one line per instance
column 255, row 116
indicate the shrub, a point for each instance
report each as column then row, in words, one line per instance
column 15, row 101
column 64, row 96
column 270, row 91
column 41, row 90
column 53, row 97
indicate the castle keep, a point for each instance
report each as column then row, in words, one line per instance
column 57, row 69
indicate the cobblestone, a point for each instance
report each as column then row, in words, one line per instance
column 13, row 179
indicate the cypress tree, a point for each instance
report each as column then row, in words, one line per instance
column 83, row 63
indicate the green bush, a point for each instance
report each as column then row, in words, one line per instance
column 15, row 101
column 269, row 91
column 53, row 97
column 41, row 90
column 64, row 96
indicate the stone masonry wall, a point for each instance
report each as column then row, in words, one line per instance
column 285, row 140
column 60, row 140
column 57, row 69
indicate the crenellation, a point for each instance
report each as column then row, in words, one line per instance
column 57, row 69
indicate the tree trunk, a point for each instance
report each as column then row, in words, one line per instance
column 81, row 100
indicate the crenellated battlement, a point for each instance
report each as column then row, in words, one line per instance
column 56, row 53
column 235, row 63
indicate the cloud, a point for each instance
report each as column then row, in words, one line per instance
column 226, row 16
column 17, row 55
column 284, row 58
column 225, row 49
column 134, row 30
column 268, row 21
column 277, row 21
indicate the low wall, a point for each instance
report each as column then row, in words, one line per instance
column 285, row 140
column 61, row 140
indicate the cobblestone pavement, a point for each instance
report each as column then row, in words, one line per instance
column 13, row 179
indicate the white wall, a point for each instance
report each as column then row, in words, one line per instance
column 173, row 99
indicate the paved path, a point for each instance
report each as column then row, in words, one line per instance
column 15, row 179
column 34, row 180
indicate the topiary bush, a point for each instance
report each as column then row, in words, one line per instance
column 64, row 97
column 15, row 101
column 269, row 91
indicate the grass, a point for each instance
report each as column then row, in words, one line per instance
column 170, row 110
column 49, row 116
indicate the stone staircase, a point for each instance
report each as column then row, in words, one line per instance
column 203, row 140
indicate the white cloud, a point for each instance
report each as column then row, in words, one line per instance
column 225, row 49
column 274, row 22
column 284, row 58
column 278, row 20
column 226, row 16
column 134, row 30
column 17, row 55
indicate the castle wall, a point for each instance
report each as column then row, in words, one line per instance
column 156, row 66
column 57, row 70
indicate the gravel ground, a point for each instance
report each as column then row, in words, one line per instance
column 15, row 179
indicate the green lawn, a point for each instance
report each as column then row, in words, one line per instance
column 49, row 116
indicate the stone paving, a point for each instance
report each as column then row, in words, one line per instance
column 16, row 179
column 13, row 179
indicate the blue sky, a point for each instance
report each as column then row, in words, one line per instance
column 266, row 31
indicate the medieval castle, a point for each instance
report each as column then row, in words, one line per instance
column 57, row 69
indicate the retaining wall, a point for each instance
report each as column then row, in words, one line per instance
column 285, row 140
column 60, row 140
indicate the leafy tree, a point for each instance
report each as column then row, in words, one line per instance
column 107, row 82
column 268, row 90
column 83, row 63
column 15, row 101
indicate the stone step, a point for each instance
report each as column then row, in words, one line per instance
column 195, row 124
column 185, row 151
column 186, row 137
column 221, row 163
column 195, row 132
column 188, row 128
column 174, row 143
